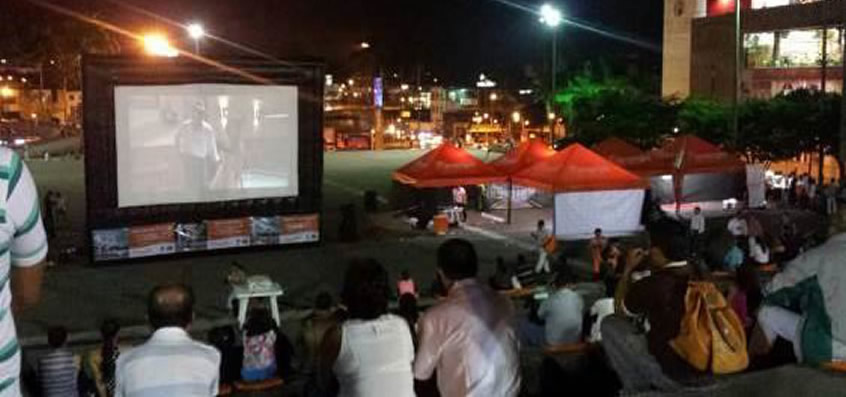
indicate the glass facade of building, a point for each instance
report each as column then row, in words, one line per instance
column 793, row 48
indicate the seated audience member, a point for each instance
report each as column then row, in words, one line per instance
column 370, row 354
column 759, row 253
column 409, row 311
column 504, row 278
column 468, row 338
column 647, row 363
column 170, row 363
column 805, row 304
column 223, row 339
column 406, row 285
column 58, row 369
column 614, row 259
column 733, row 258
column 745, row 294
column 563, row 311
column 99, row 364
column 737, row 226
column 259, row 336
column 314, row 327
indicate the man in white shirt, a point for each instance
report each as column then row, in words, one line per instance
column 468, row 338
column 562, row 312
column 197, row 145
column 459, row 198
column 541, row 235
column 737, row 226
column 170, row 363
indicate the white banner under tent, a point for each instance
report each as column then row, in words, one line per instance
column 521, row 197
column 616, row 212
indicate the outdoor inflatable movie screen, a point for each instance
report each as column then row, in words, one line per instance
column 197, row 143
column 188, row 155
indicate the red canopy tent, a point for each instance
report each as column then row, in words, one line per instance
column 685, row 155
column 621, row 152
column 523, row 156
column 577, row 168
column 518, row 159
column 591, row 191
column 446, row 166
column 688, row 154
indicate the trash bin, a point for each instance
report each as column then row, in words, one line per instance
column 440, row 223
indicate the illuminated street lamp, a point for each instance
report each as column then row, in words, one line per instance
column 196, row 32
column 157, row 44
column 552, row 18
column 364, row 45
column 6, row 92
column 515, row 117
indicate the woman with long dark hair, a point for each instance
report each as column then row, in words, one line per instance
column 370, row 354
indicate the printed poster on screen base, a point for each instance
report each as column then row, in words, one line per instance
column 299, row 229
column 228, row 233
column 151, row 240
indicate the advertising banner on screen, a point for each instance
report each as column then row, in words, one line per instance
column 191, row 237
column 110, row 244
column 264, row 230
column 299, row 229
column 151, row 240
column 228, row 233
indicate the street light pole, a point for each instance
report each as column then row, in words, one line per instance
column 551, row 17
column 738, row 58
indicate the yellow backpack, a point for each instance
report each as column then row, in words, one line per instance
column 711, row 337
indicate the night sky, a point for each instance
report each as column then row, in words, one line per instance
column 454, row 40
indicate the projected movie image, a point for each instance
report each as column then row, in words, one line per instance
column 205, row 143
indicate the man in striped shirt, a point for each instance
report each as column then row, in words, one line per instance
column 23, row 247
column 57, row 369
column 170, row 363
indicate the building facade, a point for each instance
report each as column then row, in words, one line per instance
column 785, row 45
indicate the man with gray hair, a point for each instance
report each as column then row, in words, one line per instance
column 170, row 363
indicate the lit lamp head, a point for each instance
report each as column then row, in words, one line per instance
column 156, row 44
column 195, row 31
column 550, row 16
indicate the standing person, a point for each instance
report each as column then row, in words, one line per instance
column 541, row 236
column 371, row 353
column 597, row 245
column 24, row 235
column 99, row 364
column 58, row 369
column 170, row 363
column 468, row 337
column 459, row 199
column 831, row 198
column 697, row 230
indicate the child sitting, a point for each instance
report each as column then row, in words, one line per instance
column 406, row 285
column 259, row 346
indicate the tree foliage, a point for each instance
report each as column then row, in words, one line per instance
column 770, row 130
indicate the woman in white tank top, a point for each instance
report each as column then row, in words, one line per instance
column 371, row 353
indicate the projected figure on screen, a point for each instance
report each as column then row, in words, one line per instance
column 198, row 149
column 232, row 147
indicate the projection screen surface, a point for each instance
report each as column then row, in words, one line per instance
column 199, row 143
